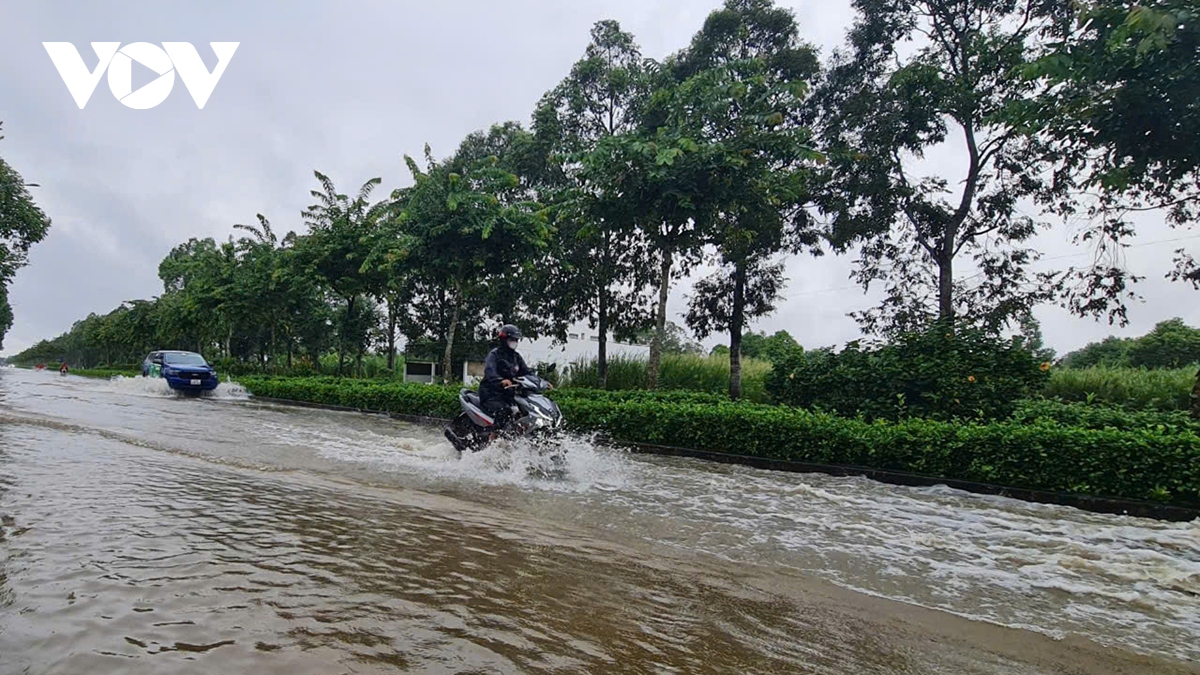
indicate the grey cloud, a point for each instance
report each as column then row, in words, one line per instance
column 346, row 88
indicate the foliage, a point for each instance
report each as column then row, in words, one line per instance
column 22, row 224
column 939, row 373
column 675, row 340
column 469, row 228
column 688, row 372
column 1112, row 352
column 334, row 252
column 742, row 87
column 882, row 107
column 767, row 347
column 1118, row 115
column 1171, row 344
column 600, row 256
column 1098, row 416
column 1040, row 454
column 1128, row 388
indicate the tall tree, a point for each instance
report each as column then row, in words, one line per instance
column 744, row 78
column 336, row 246
column 1118, row 117
column 599, row 249
column 883, row 105
column 22, row 224
column 667, row 177
column 463, row 230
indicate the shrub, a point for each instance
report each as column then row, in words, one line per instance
column 1130, row 388
column 1032, row 452
column 691, row 372
column 938, row 373
column 1085, row 416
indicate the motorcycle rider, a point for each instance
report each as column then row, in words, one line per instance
column 502, row 366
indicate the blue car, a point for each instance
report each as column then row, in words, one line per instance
column 183, row 371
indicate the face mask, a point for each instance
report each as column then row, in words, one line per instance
column 512, row 344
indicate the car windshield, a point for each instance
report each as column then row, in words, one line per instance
column 184, row 360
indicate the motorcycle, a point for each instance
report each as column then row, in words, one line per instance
column 535, row 417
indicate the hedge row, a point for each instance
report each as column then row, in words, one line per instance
column 1036, row 452
column 1103, row 416
column 350, row 389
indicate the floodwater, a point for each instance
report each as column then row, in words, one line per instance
column 144, row 532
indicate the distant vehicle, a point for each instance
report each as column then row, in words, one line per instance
column 183, row 371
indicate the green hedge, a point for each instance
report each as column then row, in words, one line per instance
column 1094, row 416
column 424, row 400
column 1035, row 451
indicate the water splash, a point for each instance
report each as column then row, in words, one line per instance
column 422, row 450
column 158, row 388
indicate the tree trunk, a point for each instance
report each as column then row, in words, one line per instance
column 737, row 318
column 660, row 327
column 946, row 283
column 391, row 359
column 342, row 334
column 602, row 325
column 1196, row 397
column 289, row 352
column 457, row 300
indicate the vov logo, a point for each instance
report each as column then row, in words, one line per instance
column 172, row 57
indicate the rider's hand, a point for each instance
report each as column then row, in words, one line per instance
column 506, row 383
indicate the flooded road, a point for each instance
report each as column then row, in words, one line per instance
column 141, row 532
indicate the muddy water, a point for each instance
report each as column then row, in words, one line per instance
column 141, row 532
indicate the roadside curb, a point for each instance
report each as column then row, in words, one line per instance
column 1121, row 507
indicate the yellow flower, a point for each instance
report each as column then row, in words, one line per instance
column 970, row 378
column 1045, row 366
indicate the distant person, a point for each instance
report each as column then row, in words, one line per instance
column 502, row 366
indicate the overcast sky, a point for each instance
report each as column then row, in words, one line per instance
column 347, row 88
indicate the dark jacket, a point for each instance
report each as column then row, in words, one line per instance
column 502, row 364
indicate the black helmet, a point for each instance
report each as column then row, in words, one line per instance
column 509, row 332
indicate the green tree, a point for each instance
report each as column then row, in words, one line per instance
column 882, row 106
column 337, row 246
column 1172, row 344
column 1112, row 352
column 675, row 340
column 1118, row 116
column 771, row 348
column 466, row 233
column 600, row 252
column 22, row 224
column 669, row 180
column 745, row 79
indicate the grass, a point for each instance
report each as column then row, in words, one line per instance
column 678, row 371
column 1128, row 388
